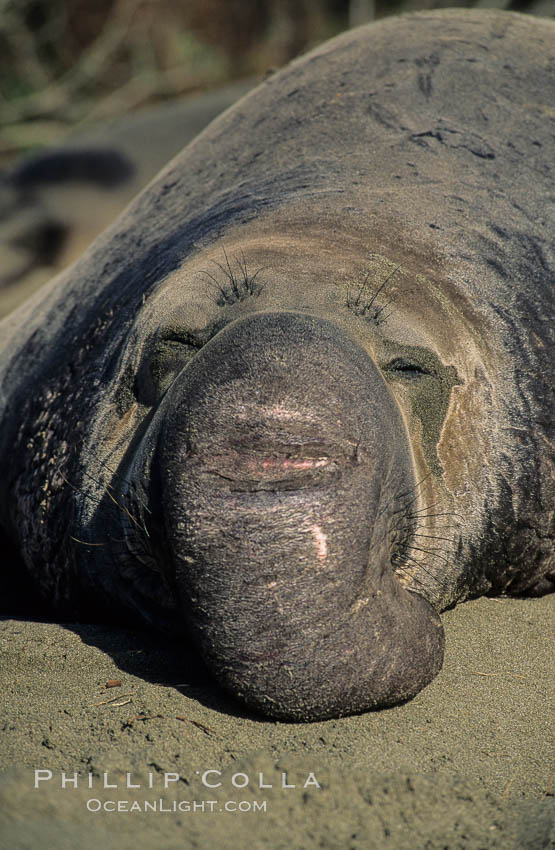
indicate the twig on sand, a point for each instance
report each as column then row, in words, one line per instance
column 143, row 717
column 505, row 673
column 197, row 723
column 112, row 702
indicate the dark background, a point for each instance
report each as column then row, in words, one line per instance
column 68, row 63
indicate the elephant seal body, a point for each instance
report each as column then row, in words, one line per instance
column 294, row 402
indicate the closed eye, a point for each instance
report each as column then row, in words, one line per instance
column 162, row 364
column 409, row 369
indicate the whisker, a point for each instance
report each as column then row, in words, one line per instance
column 431, row 552
column 421, row 567
column 433, row 537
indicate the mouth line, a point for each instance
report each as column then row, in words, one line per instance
column 276, row 468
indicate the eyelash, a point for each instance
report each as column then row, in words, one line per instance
column 238, row 285
column 367, row 307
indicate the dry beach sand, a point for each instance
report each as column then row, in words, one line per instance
column 467, row 764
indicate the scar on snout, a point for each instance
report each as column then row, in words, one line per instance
column 320, row 540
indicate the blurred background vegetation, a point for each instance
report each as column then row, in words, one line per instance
column 68, row 63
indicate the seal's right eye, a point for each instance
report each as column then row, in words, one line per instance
column 161, row 365
column 407, row 369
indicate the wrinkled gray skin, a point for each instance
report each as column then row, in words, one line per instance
column 295, row 453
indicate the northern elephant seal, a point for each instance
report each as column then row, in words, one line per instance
column 295, row 401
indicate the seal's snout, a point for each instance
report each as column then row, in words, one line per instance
column 278, row 489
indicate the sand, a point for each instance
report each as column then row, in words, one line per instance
column 468, row 763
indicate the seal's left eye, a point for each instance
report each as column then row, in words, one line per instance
column 407, row 369
column 160, row 367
